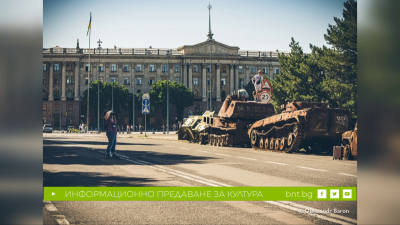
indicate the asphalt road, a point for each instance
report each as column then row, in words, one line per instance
column 79, row 160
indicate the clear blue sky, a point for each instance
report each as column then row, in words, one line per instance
column 264, row 25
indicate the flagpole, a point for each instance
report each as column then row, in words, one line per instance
column 90, row 32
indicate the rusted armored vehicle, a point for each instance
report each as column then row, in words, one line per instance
column 233, row 120
column 308, row 125
column 349, row 142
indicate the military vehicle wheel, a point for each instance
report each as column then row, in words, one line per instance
column 271, row 143
column 261, row 143
column 290, row 139
column 266, row 143
column 277, row 143
column 254, row 138
column 221, row 140
column 283, row 144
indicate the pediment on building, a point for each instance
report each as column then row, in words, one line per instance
column 204, row 48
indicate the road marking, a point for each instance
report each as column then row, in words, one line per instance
column 222, row 154
column 202, row 151
column 50, row 207
column 276, row 163
column 347, row 219
column 185, row 148
column 348, row 174
column 311, row 168
column 246, row 158
column 169, row 146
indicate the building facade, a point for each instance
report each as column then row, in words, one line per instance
column 66, row 71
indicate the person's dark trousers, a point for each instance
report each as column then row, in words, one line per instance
column 112, row 141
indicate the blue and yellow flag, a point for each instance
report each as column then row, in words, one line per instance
column 90, row 24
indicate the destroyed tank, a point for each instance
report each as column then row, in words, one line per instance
column 233, row 120
column 193, row 126
column 349, row 143
column 308, row 125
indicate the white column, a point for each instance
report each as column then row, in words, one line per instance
column 51, row 98
column 204, row 79
column 133, row 78
column 76, row 95
column 236, row 78
column 190, row 77
column 231, row 79
column 246, row 74
column 63, row 81
column 218, row 82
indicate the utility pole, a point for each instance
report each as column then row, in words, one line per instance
column 98, row 92
column 168, row 54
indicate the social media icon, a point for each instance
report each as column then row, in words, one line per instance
column 347, row 193
column 321, row 193
column 334, row 193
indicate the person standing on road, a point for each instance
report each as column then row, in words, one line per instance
column 111, row 132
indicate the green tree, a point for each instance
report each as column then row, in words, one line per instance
column 179, row 96
column 120, row 93
column 326, row 74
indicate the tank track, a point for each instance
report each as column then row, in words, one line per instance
column 299, row 134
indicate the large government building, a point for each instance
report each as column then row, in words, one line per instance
column 65, row 76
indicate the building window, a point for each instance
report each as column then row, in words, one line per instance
column 177, row 79
column 138, row 80
column 126, row 68
column 152, row 69
column 264, row 70
column 252, row 70
column 138, row 92
column 44, row 94
column 152, row 80
column 139, row 68
column 101, row 68
column 44, row 107
column 69, row 80
column 56, row 67
column 176, row 68
column 113, row 79
column 223, row 68
column 44, row 67
column 240, row 82
column 113, row 67
column 126, row 80
column 208, row 81
column 55, row 81
column 69, row 107
column 87, row 67
column 240, row 69
column 208, row 69
column 196, row 68
column 276, row 70
column 164, row 68
column 86, row 80
column 196, row 81
column 223, row 81
column 56, row 107
column 69, row 93
column 69, row 67
column 223, row 95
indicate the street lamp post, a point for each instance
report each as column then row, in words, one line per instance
column 210, row 34
column 168, row 54
column 98, row 92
